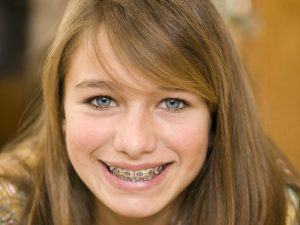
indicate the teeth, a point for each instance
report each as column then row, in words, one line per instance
column 128, row 173
column 111, row 168
column 136, row 175
column 157, row 170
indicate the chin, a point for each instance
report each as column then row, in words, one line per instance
column 136, row 209
column 133, row 213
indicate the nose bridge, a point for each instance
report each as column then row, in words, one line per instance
column 135, row 135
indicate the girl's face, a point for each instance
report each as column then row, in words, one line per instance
column 134, row 144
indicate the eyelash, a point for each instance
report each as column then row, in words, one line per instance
column 176, row 110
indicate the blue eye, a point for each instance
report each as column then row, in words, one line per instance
column 103, row 102
column 168, row 104
column 173, row 104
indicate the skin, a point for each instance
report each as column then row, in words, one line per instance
column 137, row 126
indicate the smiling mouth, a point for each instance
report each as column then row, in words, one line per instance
column 136, row 175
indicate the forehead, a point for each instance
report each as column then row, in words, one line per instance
column 88, row 65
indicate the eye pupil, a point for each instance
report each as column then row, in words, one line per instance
column 173, row 103
column 103, row 101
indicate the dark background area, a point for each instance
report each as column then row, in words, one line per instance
column 13, row 27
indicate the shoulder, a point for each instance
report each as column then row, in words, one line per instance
column 13, row 160
column 293, row 207
column 11, row 203
column 13, row 166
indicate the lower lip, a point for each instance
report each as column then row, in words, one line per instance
column 134, row 186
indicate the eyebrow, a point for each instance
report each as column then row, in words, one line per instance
column 110, row 85
column 95, row 84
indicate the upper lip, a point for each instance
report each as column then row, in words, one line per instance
column 141, row 166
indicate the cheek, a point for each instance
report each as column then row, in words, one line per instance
column 189, row 140
column 84, row 135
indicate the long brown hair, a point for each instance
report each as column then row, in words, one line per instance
column 176, row 43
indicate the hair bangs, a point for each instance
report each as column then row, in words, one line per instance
column 148, row 48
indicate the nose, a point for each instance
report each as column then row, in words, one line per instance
column 135, row 136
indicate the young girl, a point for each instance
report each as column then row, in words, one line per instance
column 146, row 117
